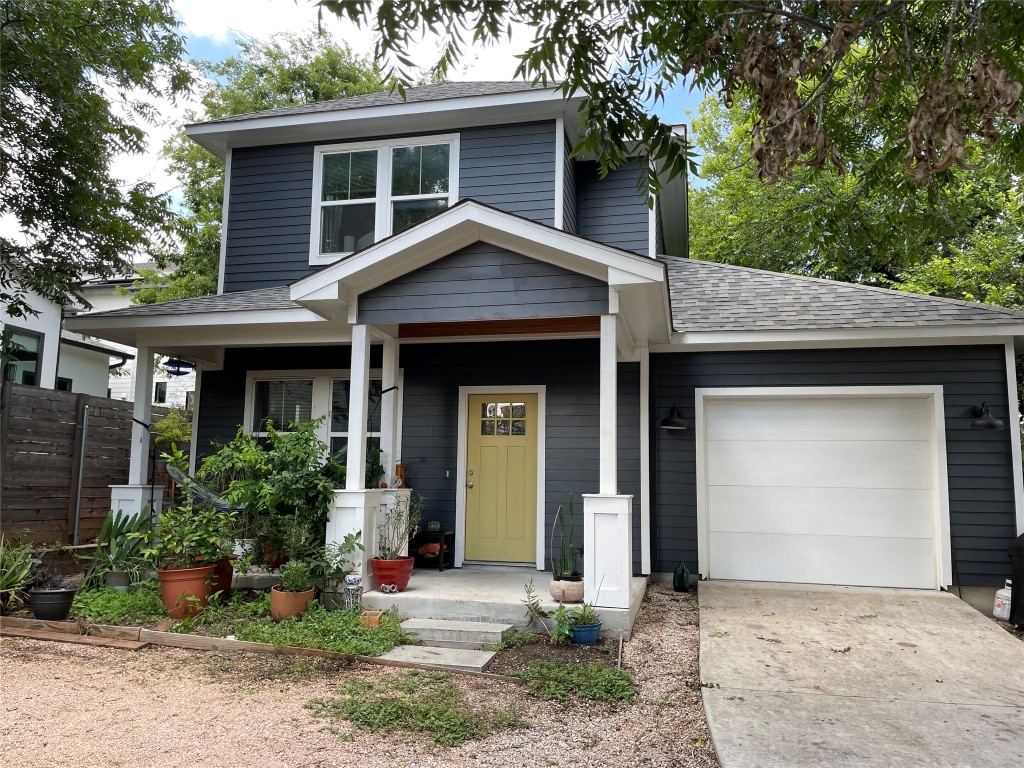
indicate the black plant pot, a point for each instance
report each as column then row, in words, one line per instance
column 51, row 604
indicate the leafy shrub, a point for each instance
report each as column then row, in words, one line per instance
column 327, row 630
column 16, row 564
column 416, row 702
column 559, row 680
column 110, row 606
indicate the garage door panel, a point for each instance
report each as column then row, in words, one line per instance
column 818, row 419
column 821, row 490
column 830, row 463
column 821, row 511
column 864, row 561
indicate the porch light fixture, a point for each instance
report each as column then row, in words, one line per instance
column 178, row 367
column 674, row 420
column 983, row 419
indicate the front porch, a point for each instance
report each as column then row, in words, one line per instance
column 491, row 594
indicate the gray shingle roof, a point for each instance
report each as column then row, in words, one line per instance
column 237, row 301
column 437, row 92
column 707, row 296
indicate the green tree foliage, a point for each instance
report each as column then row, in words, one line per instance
column 76, row 83
column 870, row 225
column 287, row 70
column 932, row 80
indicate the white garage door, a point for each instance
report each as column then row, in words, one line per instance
column 821, row 491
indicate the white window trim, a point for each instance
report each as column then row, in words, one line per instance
column 321, row 406
column 460, row 485
column 932, row 393
column 383, row 199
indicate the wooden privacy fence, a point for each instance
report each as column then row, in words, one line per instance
column 46, row 447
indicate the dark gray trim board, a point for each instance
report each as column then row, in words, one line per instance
column 483, row 282
column 979, row 463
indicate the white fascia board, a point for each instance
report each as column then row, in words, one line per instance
column 522, row 106
column 559, row 212
column 842, row 337
column 96, row 325
column 224, row 223
column 466, row 223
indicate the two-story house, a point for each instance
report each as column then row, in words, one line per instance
column 547, row 334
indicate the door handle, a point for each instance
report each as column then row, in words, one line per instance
column 469, row 484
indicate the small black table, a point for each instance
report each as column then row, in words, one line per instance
column 445, row 558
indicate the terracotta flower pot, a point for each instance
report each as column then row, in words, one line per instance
column 222, row 573
column 284, row 604
column 396, row 572
column 185, row 590
column 566, row 591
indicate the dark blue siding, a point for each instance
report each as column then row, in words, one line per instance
column 268, row 216
column 611, row 210
column 979, row 463
column 569, row 191
column 483, row 282
column 511, row 167
column 569, row 369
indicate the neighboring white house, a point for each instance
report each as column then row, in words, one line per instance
column 168, row 390
column 37, row 352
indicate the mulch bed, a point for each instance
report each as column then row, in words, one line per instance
column 1017, row 632
column 518, row 659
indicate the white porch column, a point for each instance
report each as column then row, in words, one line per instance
column 360, row 511
column 608, row 478
column 358, row 398
column 389, row 410
column 607, row 549
column 607, row 516
column 132, row 498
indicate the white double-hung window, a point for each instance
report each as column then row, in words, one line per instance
column 364, row 192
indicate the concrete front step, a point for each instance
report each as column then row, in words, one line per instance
column 447, row 633
column 453, row 658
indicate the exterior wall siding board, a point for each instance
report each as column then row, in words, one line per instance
column 511, row 167
column 610, row 210
column 498, row 160
column 979, row 464
column 483, row 282
column 433, row 374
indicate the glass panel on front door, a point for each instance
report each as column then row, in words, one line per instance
column 503, row 419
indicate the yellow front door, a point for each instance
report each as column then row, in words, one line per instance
column 501, row 478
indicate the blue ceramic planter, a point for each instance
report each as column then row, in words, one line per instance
column 586, row 635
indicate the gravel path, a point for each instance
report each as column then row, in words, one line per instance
column 69, row 705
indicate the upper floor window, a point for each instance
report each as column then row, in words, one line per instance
column 21, row 354
column 364, row 192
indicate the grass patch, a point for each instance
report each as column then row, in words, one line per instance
column 109, row 606
column 416, row 702
column 327, row 630
column 226, row 615
column 559, row 680
column 515, row 639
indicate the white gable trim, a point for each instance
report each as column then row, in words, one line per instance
column 467, row 223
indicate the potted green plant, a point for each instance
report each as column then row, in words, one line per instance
column 184, row 546
column 336, row 564
column 17, row 561
column 566, row 582
column 118, row 558
column 295, row 592
column 52, row 594
column 172, row 430
column 401, row 522
column 584, row 625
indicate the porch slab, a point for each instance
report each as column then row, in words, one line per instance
column 483, row 594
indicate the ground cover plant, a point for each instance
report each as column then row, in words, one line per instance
column 225, row 616
column 416, row 702
column 559, row 680
column 327, row 630
column 142, row 605
column 513, row 640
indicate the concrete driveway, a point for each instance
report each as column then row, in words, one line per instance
column 799, row 675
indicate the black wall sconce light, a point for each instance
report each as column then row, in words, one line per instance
column 177, row 367
column 674, row 420
column 983, row 419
